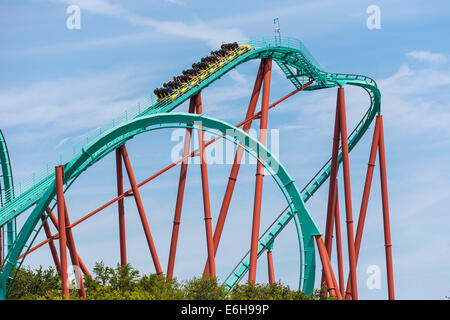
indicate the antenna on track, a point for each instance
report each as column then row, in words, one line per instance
column 276, row 22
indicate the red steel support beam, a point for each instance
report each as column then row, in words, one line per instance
column 140, row 207
column 180, row 196
column 367, row 186
column 59, row 175
column 270, row 267
column 337, row 222
column 56, row 236
column 329, row 276
column 205, row 191
column 51, row 244
column 333, row 186
column 121, row 210
column 73, row 254
column 386, row 223
column 260, row 172
column 347, row 190
column 365, row 196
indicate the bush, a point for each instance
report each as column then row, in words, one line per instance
column 126, row 283
column 29, row 283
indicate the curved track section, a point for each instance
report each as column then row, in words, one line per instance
column 298, row 66
column 6, row 190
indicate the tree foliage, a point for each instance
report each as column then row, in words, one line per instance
column 126, row 283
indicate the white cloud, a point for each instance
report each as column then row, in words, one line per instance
column 427, row 56
column 414, row 100
column 197, row 30
column 64, row 47
column 70, row 103
column 177, row 2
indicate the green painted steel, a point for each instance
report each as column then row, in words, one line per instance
column 107, row 143
column 298, row 65
column 6, row 189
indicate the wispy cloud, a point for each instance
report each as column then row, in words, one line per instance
column 194, row 30
column 427, row 56
column 71, row 103
column 64, row 47
column 177, row 2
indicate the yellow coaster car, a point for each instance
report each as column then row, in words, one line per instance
column 200, row 71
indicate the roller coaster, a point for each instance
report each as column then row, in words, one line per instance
column 39, row 196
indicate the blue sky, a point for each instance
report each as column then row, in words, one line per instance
column 57, row 84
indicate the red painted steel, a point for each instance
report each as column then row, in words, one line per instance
column 56, row 236
column 205, row 192
column 180, row 196
column 51, row 244
column 329, row 277
column 140, row 207
column 121, row 210
column 347, row 190
column 260, row 172
column 59, row 174
column 73, row 254
column 337, row 222
column 365, row 196
column 270, row 267
column 333, row 185
column 386, row 223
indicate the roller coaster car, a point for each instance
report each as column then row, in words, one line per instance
column 201, row 66
column 212, row 63
column 221, row 57
column 243, row 49
column 229, row 46
column 200, row 70
column 183, row 80
column 161, row 93
column 219, row 53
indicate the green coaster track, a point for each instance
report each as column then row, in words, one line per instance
column 299, row 67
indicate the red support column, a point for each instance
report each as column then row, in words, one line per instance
column 121, row 209
column 237, row 160
column 205, row 190
column 337, row 221
column 333, row 186
column 367, row 186
column 347, row 190
column 329, row 276
column 59, row 175
column 73, row 254
column 51, row 244
column 270, row 266
column 260, row 173
column 56, row 224
column 180, row 196
column 386, row 223
column 365, row 196
column 140, row 207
